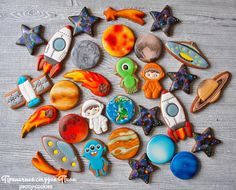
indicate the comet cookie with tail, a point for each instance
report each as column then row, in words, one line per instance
column 174, row 116
column 55, row 52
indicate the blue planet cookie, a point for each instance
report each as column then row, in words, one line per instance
column 120, row 109
column 184, row 165
column 160, row 149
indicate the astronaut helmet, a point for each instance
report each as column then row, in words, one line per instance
column 92, row 109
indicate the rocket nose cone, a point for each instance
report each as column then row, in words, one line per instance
column 21, row 80
column 69, row 27
column 164, row 91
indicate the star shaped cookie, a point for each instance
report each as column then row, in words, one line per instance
column 163, row 20
column 147, row 119
column 205, row 142
column 181, row 79
column 141, row 168
column 83, row 22
column 30, row 37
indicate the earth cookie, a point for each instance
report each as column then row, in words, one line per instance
column 73, row 128
column 85, row 54
column 125, row 68
column 123, row 143
column 64, row 95
column 118, row 40
column 94, row 150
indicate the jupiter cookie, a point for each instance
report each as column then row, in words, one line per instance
column 64, row 95
column 123, row 143
column 85, row 54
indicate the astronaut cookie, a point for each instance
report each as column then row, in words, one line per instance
column 93, row 151
column 125, row 68
column 85, row 54
column 92, row 110
column 152, row 73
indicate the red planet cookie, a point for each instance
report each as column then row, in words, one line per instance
column 118, row 40
column 73, row 128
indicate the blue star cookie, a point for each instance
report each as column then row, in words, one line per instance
column 163, row 20
column 141, row 168
column 147, row 119
column 83, row 22
column 30, row 37
column 205, row 142
column 181, row 79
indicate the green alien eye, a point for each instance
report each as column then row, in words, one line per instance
column 125, row 67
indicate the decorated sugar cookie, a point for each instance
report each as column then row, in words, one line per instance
column 92, row 110
column 118, row 40
column 125, row 68
column 94, row 150
column 152, row 73
column 123, row 143
column 120, row 109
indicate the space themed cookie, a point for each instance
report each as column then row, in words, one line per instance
column 187, row 53
column 85, row 54
column 160, row 149
column 92, row 110
column 94, row 151
column 148, row 47
column 64, row 95
column 118, row 40
column 125, row 68
column 42, row 116
column 73, row 128
column 61, row 152
column 152, row 73
column 120, row 109
column 123, row 143
column 184, row 165
column 209, row 91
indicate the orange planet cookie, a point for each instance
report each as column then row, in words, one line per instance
column 64, row 95
column 209, row 91
column 123, row 143
column 118, row 40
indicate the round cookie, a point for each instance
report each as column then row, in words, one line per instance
column 123, row 143
column 120, row 109
column 85, row 54
column 118, row 40
column 64, row 95
column 73, row 128
column 148, row 48
column 184, row 165
column 160, row 149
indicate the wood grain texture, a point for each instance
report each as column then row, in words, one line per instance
column 211, row 24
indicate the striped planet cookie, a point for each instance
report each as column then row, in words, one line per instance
column 123, row 143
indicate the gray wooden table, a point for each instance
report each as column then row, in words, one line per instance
column 212, row 24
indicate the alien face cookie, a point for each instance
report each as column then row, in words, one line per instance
column 125, row 68
column 152, row 73
column 92, row 110
column 94, row 150
column 85, row 54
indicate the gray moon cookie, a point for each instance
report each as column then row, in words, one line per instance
column 148, row 48
column 85, row 54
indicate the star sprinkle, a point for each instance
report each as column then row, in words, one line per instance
column 205, row 142
column 83, row 22
column 141, row 168
column 181, row 79
column 30, row 38
column 163, row 20
column 147, row 119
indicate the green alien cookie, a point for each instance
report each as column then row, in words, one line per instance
column 125, row 68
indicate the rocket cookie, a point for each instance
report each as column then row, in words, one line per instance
column 123, row 143
column 152, row 73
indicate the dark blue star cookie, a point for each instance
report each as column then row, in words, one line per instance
column 141, row 168
column 147, row 119
column 30, row 37
column 205, row 142
column 83, row 22
column 181, row 79
column 163, row 20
